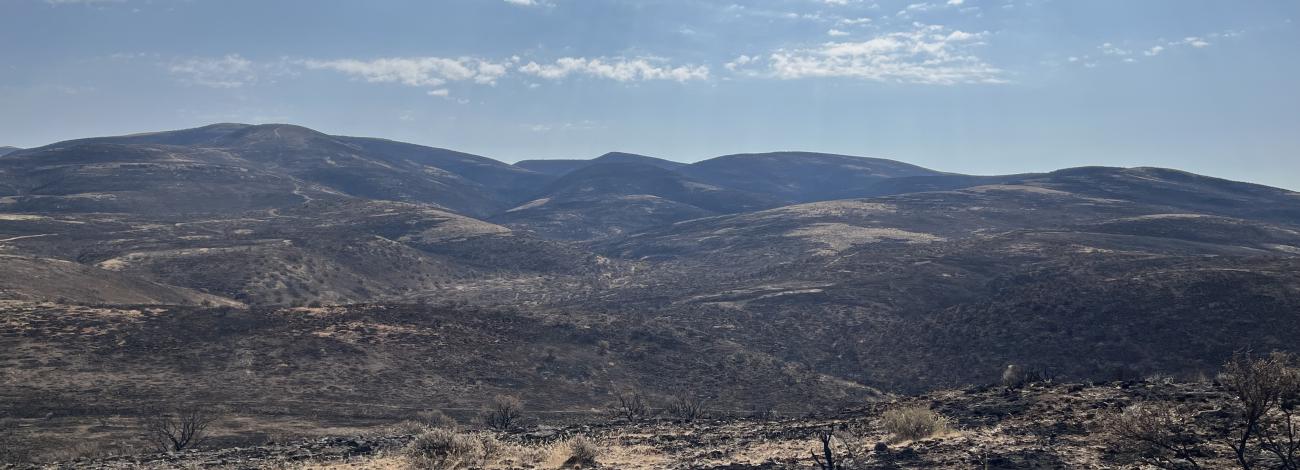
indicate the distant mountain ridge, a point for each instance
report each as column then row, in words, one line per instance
column 620, row 195
column 561, row 167
column 847, row 274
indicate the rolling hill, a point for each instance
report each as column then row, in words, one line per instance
column 385, row 270
column 561, row 167
column 281, row 159
column 799, row 176
column 611, row 198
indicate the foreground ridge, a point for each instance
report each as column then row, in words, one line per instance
column 1038, row 426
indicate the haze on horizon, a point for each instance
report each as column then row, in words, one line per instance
column 971, row 86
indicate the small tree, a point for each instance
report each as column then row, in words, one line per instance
column 503, row 413
column 1268, row 390
column 1157, row 434
column 826, row 461
column 179, row 429
column 686, row 408
column 632, row 406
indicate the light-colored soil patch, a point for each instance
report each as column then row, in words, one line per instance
column 22, row 217
column 843, row 208
column 838, row 237
column 531, row 204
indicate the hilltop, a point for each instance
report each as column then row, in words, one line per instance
column 281, row 266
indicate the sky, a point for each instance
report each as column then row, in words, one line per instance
column 971, row 86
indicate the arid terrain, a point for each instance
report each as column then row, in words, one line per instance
column 1042, row 426
column 313, row 286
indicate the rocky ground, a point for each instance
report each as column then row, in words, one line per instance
column 1039, row 426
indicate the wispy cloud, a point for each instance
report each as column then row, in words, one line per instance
column 428, row 72
column 1131, row 54
column 530, row 3
column 584, row 125
column 854, row 21
column 81, row 2
column 230, row 71
column 618, row 69
column 928, row 54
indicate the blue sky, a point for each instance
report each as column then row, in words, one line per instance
column 975, row 86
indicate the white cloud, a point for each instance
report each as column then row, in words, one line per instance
column 618, row 69
column 443, row 92
column 1159, row 47
column 739, row 62
column 836, row 32
column 1111, row 49
column 854, row 21
column 524, row 3
column 926, row 55
column 584, row 125
column 231, row 71
column 915, row 7
column 81, row 2
column 432, row 72
column 956, row 2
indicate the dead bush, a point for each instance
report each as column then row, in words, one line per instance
column 914, row 423
column 179, row 429
column 503, row 413
column 582, row 452
column 1018, row 376
column 686, row 408
column 827, row 459
column 409, row 427
column 632, row 406
column 1268, row 392
column 444, row 448
column 489, row 446
column 841, row 449
column 436, row 419
column 1157, row 434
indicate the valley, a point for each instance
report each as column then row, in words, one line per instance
column 290, row 275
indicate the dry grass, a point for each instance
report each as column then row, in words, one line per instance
column 444, row 448
column 914, row 423
column 436, row 419
column 582, row 452
column 409, row 427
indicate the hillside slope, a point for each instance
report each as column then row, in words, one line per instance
column 612, row 198
column 247, row 161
